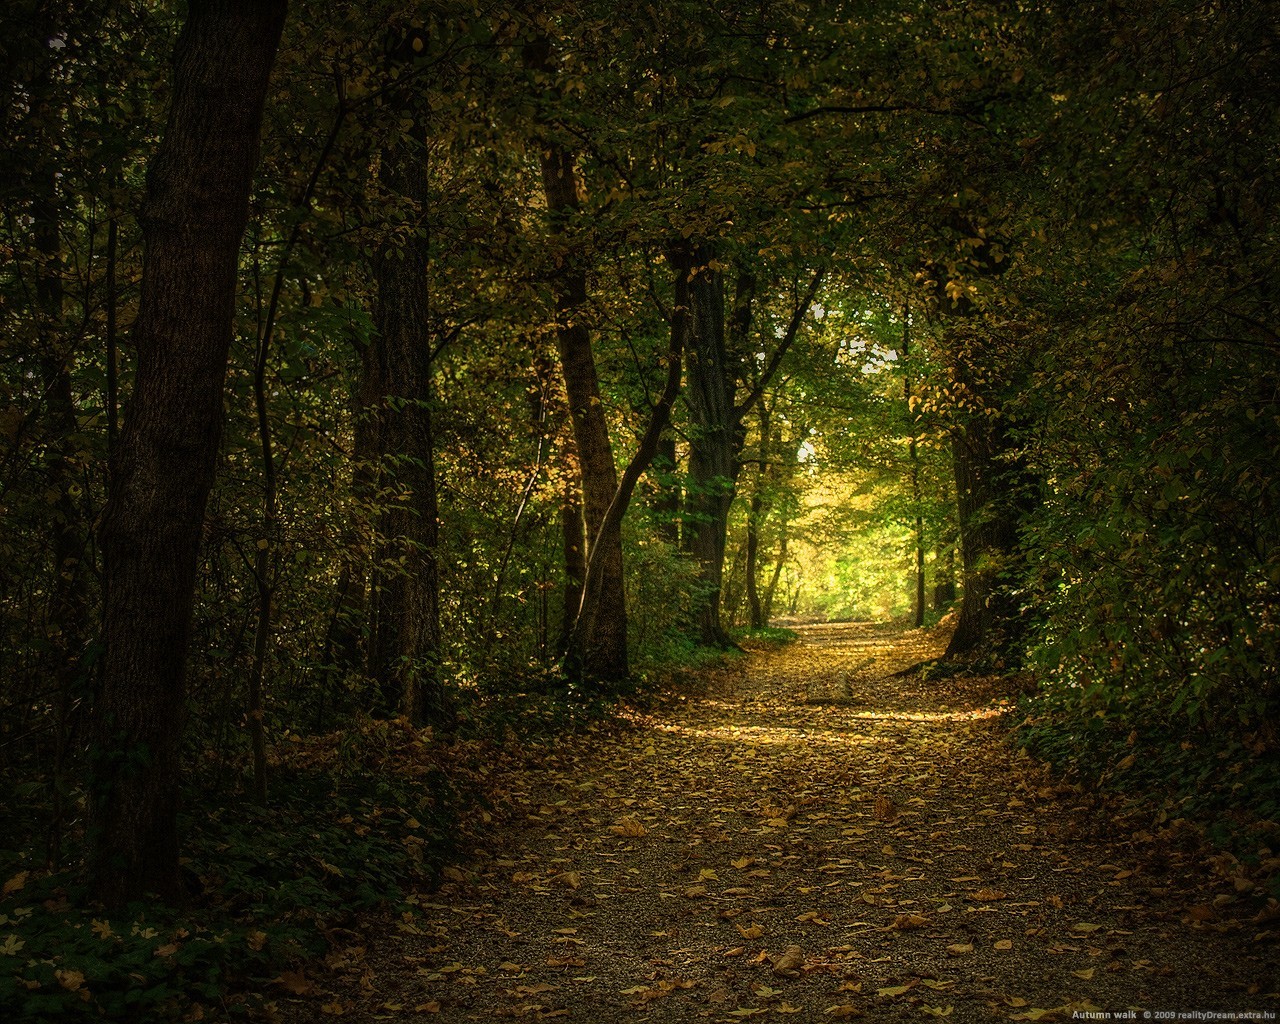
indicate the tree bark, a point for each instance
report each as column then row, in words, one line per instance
column 716, row 441
column 754, row 516
column 988, row 521
column 193, row 221
column 406, row 657
column 601, row 629
column 713, row 446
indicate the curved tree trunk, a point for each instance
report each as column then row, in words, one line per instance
column 601, row 632
column 193, row 221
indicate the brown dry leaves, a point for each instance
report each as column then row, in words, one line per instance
column 776, row 848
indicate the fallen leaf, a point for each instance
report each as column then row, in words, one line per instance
column 789, row 961
column 843, row 1010
column 16, row 883
column 294, row 982
column 896, row 990
column 1003, row 944
column 960, row 947
column 750, row 932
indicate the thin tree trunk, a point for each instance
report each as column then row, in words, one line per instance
column 193, row 222
column 573, row 535
column 754, row 516
column 913, row 466
column 772, row 588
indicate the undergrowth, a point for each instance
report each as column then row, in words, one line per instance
column 354, row 822
column 1230, row 783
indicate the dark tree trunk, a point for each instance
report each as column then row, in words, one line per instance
column 406, row 655
column 193, row 221
column 713, row 444
column 913, row 464
column 68, row 610
column 986, row 502
column 754, row 516
column 772, row 588
column 573, row 537
column 602, row 625
column 717, row 437
column 944, row 584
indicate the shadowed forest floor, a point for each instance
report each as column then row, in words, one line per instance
column 811, row 835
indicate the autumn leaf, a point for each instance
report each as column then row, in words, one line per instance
column 295, row 983
column 895, row 990
column 790, row 961
column 629, row 826
column 959, row 948
column 753, row 931
column 844, row 1010
column 70, row 980
column 16, row 883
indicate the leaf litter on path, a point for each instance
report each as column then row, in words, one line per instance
column 813, row 836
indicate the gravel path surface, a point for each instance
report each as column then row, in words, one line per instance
column 813, row 838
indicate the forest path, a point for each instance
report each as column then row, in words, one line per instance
column 814, row 838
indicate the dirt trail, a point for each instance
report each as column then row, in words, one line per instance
column 812, row 839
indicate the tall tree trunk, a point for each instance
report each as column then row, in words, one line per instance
column 408, row 650
column 713, row 444
column 68, row 610
column 772, row 588
column 988, row 519
column 573, row 537
column 944, row 580
column 193, row 221
column 602, row 625
column 716, row 441
column 754, row 516
column 913, row 466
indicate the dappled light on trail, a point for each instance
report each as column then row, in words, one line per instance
column 813, row 831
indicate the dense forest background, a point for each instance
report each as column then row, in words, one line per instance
column 520, row 352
